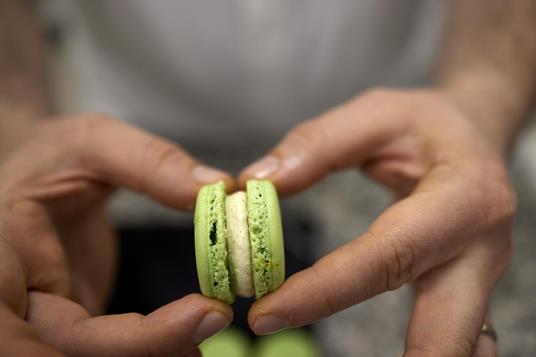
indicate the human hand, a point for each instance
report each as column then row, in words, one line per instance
column 449, row 231
column 56, row 245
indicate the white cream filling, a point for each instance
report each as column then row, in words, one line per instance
column 238, row 244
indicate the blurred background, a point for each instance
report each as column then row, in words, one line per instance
column 92, row 72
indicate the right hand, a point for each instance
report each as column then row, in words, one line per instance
column 56, row 245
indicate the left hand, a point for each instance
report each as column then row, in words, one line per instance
column 449, row 232
column 56, row 241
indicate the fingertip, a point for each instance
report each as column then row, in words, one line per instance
column 263, row 168
column 204, row 175
column 264, row 318
column 206, row 305
column 270, row 168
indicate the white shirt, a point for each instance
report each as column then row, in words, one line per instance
column 232, row 76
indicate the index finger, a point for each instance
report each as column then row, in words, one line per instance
column 95, row 148
column 418, row 233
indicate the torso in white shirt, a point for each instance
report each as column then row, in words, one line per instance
column 234, row 75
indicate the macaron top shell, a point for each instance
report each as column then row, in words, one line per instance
column 266, row 237
column 211, row 243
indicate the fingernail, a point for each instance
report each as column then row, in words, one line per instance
column 264, row 167
column 206, row 174
column 269, row 324
column 212, row 323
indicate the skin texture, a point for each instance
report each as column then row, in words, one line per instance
column 56, row 246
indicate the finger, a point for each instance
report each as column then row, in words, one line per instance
column 344, row 137
column 96, row 148
column 413, row 236
column 196, row 352
column 171, row 330
column 485, row 347
column 90, row 244
column 17, row 338
column 27, row 233
column 12, row 279
column 450, row 307
column 145, row 163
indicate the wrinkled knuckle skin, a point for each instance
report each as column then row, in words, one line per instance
column 155, row 153
column 497, row 202
column 330, row 306
column 498, row 197
column 81, row 130
column 305, row 135
column 461, row 345
column 399, row 264
column 464, row 349
column 506, row 201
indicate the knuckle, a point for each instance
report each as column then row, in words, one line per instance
column 53, row 253
column 498, row 196
column 506, row 200
column 399, row 263
column 458, row 349
column 428, row 344
column 314, row 139
column 149, row 347
column 305, row 134
column 492, row 199
column 329, row 303
column 155, row 153
column 81, row 130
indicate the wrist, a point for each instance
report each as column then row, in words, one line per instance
column 495, row 103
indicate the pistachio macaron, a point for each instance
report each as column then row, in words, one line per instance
column 239, row 241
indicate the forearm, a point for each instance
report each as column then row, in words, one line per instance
column 488, row 63
column 24, row 88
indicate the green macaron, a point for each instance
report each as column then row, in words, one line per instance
column 239, row 241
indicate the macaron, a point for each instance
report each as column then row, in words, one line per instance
column 239, row 246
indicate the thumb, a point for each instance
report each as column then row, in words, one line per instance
column 95, row 148
column 343, row 137
column 173, row 329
